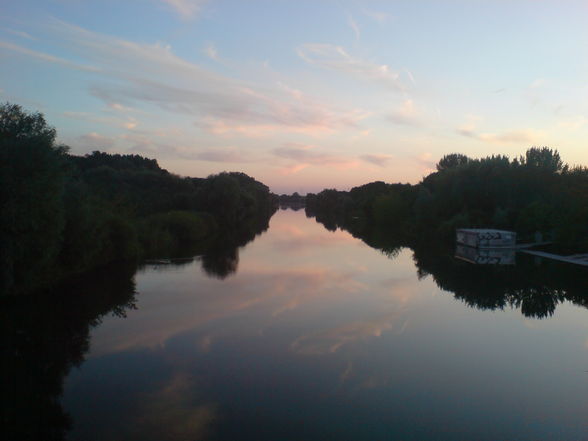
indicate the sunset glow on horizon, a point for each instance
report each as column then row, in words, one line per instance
column 302, row 95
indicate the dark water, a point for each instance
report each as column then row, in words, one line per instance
column 316, row 336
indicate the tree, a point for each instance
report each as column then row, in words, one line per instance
column 15, row 123
column 451, row 161
column 32, row 179
column 543, row 158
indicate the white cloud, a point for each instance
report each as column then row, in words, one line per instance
column 336, row 58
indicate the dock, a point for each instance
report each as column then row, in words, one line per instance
column 577, row 259
column 485, row 246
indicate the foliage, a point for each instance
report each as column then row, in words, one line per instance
column 63, row 214
column 451, row 161
column 536, row 192
column 174, row 233
column 32, row 182
column 543, row 158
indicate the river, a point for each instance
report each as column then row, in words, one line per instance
column 314, row 335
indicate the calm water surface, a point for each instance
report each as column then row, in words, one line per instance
column 317, row 336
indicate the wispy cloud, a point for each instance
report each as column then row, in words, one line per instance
column 534, row 93
column 336, row 58
column 377, row 159
column 573, row 123
column 46, row 57
column 521, row 136
column 333, row 339
column 124, row 122
column 131, row 74
column 378, row 16
column 186, row 9
column 517, row 136
column 223, row 155
column 406, row 114
column 167, row 144
column 307, row 155
column 211, row 52
column 94, row 141
column 20, row 34
column 410, row 77
column 293, row 169
column 354, row 26
column 426, row 162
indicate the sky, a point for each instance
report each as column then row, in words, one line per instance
column 302, row 94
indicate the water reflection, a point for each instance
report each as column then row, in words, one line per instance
column 43, row 337
column 221, row 259
column 486, row 256
column 499, row 279
column 318, row 336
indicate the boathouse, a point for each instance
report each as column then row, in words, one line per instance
column 486, row 238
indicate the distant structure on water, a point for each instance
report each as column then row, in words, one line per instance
column 486, row 238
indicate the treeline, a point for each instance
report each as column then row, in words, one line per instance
column 64, row 214
column 292, row 201
column 536, row 192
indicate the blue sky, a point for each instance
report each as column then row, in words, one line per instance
column 302, row 95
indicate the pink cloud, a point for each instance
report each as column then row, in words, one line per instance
column 307, row 155
column 130, row 74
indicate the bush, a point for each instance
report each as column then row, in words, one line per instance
column 174, row 233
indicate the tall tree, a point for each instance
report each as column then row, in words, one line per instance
column 451, row 161
column 32, row 178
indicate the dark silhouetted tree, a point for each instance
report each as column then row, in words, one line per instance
column 451, row 161
column 32, row 178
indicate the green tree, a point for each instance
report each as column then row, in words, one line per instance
column 451, row 161
column 16, row 124
column 32, row 179
column 543, row 158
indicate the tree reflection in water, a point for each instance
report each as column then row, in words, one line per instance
column 222, row 257
column 534, row 286
column 43, row 337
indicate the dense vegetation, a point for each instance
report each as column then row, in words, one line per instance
column 63, row 214
column 292, row 201
column 536, row 192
